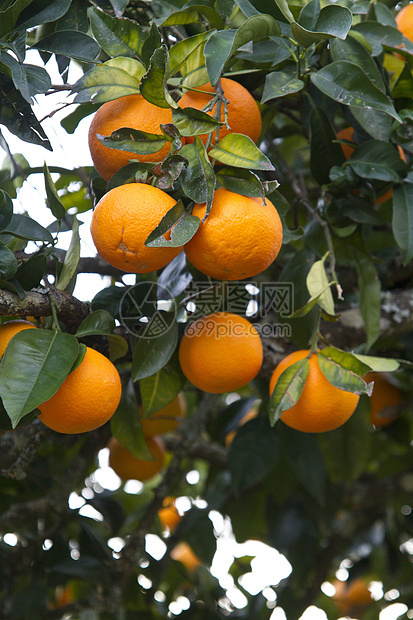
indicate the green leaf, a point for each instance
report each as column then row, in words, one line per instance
column 377, row 160
column 402, row 221
column 152, row 43
column 378, row 364
column 117, row 36
column 118, row 347
column 319, row 286
column 71, row 261
column 288, row 389
column 325, row 153
column 169, row 170
column 333, row 21
column 183, row 226
column 8, row 263
column 369, row 291
column 70, row 43
column 104, row 83
column 6, row 210
column 280, row 84
column 197, row 520
column 126, row 426
column 134, row 140
column 240, row 151
column 24, row 227
column 10, row 15
column 41, row 13
column 283, row 6
column 380, row 36
column 32, row 369
column 30, row 80
column 52, row 198
column 192, row 122
column 353, row 51
column 343, row 370
column 152, row 354
column 99, row 322
column 186, row 55
column 198, row 179
column 348, row 84
column 160, row 389
column 154, row 82
column 244, row 182
column 31, row 271
column 223, row 44
column 191, row 15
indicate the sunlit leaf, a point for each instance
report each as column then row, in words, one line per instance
column 240, row 151
column 288, row 389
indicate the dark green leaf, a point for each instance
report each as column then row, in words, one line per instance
column 6, row 210
column 152, row 354
column 33, row 367
column 240, row 151
column 403, row 219
column 126, row 426
column 10, row 15
column 53, row 201
column 197, row 520
column 198, row 179
column 67, row 276
column 72, row 44
column 279, row 84
column 117, row 36
column 42, row 12
column 192, row 122
column 97, row 323
column 24, row 227
column 30, row 272
column 184, row 226
column 152, row 43
column 154, row 82
column 187, row 55
column 191, row 15
column 325, row 153
column 134, row 140
column 109, row 299
column 378, row 160
column 8, row 263
column 332, row 21
column 242, row 182
column 223, row 44
column 353, row 51
column 343, row 370
column 379, row 35
column 348, row 84
column 370, row 300
column 288, row 389
column 175, row 276
column 160, row 389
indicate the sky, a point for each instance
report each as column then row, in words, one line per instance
column 70, row 151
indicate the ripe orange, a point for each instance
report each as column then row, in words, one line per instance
column 183, row 553
column 240, row 238
column 385, row 394
column 132, row 111
column 166, row 419
column 321, row 407
column 404, row 21
column 168, row 514
column 9, row 329
column 87, row 398
column 220, row 352
column 123, row 220
column 250, row 415
column 353, row 597
column 243, row 112
column 128, row 467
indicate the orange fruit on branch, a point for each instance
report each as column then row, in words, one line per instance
column 322, row 406
column 87, row 398
column 169, row 515
column 243, row 112
column 404, row 21
column 240, row 238
column 131, row 111
column 220, row 352
column 166, row 419
column 128, row 467
column 10, row 329
column 183, row 553
column 384, row 395
column 122, row 221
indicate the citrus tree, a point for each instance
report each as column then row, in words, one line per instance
column 250, row 172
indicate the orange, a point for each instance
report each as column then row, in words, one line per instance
column 168, row 514
column 132, row 111
column 352, row 597
column 384, row 395
column 321, row 407
column 166, row 419
column 250, row 415
column 183, row 553
column 346, row 134
column 240, row 238
column 128, row 467
column 87, row 398
column 243, row 111
column 220, row 352
column 9, row 329
column 122, row 221
column 404, row 21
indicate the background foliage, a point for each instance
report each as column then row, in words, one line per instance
column 340, row 499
